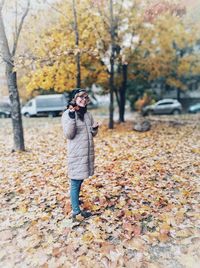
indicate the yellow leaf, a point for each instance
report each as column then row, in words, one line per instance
column 163, row 237
column 164, row 228
column 23, row 208
column 87, row 237
column 183, row 233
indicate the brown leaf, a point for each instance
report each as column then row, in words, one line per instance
column 67, row 208
column 106, row 247
column 135, row 243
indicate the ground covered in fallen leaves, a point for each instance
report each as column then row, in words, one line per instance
column 144, row 198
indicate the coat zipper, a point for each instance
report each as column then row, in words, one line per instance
column 88, row 145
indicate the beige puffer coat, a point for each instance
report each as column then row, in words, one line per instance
column 80, row 146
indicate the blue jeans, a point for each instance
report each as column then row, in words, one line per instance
column 74, row 195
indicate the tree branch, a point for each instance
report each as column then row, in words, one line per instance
column 3, row 59
column 20, row 28
column 119, row 13
column 5, row 51
column 8, row 61
column 96, row 31
column 102, row 16
column 121, row 7
column 76, row 30
column 16, row 19
column 57, row 10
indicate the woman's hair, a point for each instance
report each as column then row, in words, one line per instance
column 72, row 102
column 74, row 94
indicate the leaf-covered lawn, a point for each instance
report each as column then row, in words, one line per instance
column 144, row 198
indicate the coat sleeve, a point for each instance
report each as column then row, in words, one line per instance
column 93, row 131
column 69, row 126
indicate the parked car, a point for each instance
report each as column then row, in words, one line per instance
column 194, row 108
column 47, row 105
column 5, row 110
column 165, row 106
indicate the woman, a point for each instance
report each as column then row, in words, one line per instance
column 79, row 129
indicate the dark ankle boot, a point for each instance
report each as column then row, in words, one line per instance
column 84, row 214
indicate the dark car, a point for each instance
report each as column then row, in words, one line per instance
column 165, row 106
column 5, row 110
column 194, row 108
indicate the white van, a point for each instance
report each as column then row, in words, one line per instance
column 47, row 105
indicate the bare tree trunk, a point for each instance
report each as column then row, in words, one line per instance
column 12, row 79
column 112, row 62
column 178, row 94
column 16, row 109
column 117, row 96
column 111, row 82
column 78, row 56
column 122, row 93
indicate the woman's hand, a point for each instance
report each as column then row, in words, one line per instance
column 95, row 125
column 73, row 108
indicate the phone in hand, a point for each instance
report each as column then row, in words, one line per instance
column 95, row 125
column 73, row 106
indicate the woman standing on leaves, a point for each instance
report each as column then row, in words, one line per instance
column 79, row 129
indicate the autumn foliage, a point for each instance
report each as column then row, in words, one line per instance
column 155, row 43
column 141, row 102
column 162, row 7
column 144, row 197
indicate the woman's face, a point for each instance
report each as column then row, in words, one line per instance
column 82, row 100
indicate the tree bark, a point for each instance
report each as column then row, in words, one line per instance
column 117, row 95
column 16, row 109
column 78, row 77
column 111, row 82
column 78, row 55
column 122, row 93
column 12, row 82
column 178, row 94
column 112, row 62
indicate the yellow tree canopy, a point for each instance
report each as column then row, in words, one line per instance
column 52, row 61
column 167, row 50
column 152, row 47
